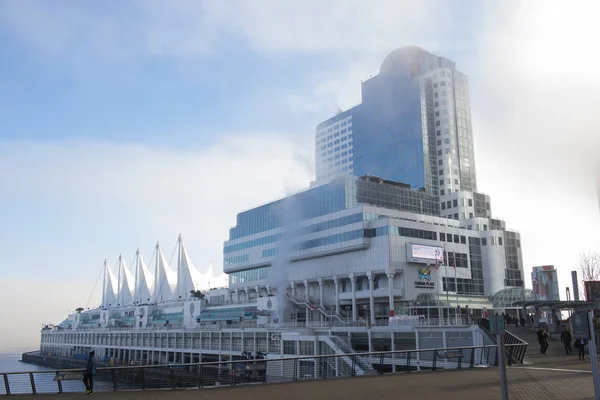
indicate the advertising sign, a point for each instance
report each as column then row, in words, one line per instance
column 592, row 291
column 581, row 328
column 424, row 254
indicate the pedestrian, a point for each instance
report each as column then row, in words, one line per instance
column 88, row 375
column 543, row 340
column 580, row 345
column 565, row 338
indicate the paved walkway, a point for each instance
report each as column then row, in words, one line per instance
column 550, row 376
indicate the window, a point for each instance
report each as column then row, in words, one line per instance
column 442, row 235
column 443, row 206
column 435, row 85
column 449, row 204
column 440, row 162
column 483, row 241
column 456, row 239
column 437, row 123
column 442, row 192
column 437, row 113
column 441, row 172
column 456, row 217
column 493, row 240
column 441, row 181
column 454, row 203
column 439, row 152
column 500, row 241
column 443, row 83
column 470, row 202
column 463, row 239
column 436, row 94
column 439, row 142
column 439, row 133
column 437, row 103
column 470, row 215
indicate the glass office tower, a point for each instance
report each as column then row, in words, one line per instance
column 413, row 126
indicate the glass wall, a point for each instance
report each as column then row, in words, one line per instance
column 250, row 275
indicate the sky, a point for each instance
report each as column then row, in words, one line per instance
column 124, row 123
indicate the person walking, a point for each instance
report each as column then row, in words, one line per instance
column 88, row 375
column 543, row 340
column 565, row 338
column 580, row 345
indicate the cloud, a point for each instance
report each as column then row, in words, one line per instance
column 534, row 106
column 72, row 204
column 191, row 28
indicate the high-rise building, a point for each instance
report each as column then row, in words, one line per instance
column 395, row 206
column 545, row 283
column 413, row 126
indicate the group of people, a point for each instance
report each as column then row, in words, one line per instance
column 566, row 338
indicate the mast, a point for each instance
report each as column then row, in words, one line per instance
column 179, row 272
column 119, row 290
column 156, row 277
column 104, row 284
column 137, row 276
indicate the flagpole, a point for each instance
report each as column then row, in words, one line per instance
column 456, row 286
column 447, row 286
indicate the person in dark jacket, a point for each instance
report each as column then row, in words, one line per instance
column 88, row 375
column 580, row 345
column 565, row 338
column 543, row 340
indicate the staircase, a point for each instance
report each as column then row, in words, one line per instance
column 361, row 365
column 327, row 310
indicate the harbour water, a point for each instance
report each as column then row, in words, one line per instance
column 9, row 362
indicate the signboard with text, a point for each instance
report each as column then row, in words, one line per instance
column 581, row 325
column 419, row 253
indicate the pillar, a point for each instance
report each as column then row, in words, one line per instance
column 293, row 290
column 307, row 299
column 371, row 296
column 353, row 284
column 336, row 283
column 257, row 292
column 390, row 276
column 321, row 295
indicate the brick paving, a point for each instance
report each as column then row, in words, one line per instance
column 559, row 377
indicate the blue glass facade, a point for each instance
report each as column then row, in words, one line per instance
column 338, row 195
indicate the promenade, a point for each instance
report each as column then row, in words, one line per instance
column 552, row 376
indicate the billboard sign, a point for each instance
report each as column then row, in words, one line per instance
column 581, row 325
column 423, row 254
column 592, row 291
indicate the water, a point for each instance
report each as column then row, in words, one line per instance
column 10, row 363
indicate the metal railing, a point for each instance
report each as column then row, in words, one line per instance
column 237, row 372
column 515, row 346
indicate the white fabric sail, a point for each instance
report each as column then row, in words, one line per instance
column 214, row 279
column 188, row 277
column 144, row 280
column 109, row 297
column 126, row 281
column 165, row 279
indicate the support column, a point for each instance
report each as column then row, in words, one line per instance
column 246, row 290
column 336, row 282
column 293, row 284
column 321, row 295
column 369, row 338
column 237, row 296
column 307, row 299
column 390, row 276
column 353, row 284
column 371, row 296
column 257, row 292
column 269, row 290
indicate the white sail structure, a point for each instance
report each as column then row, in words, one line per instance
column 215, row 280
column 126, row 280
column 109, row 297
column 165, row 279
column 188, row 277
column 144, row 280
